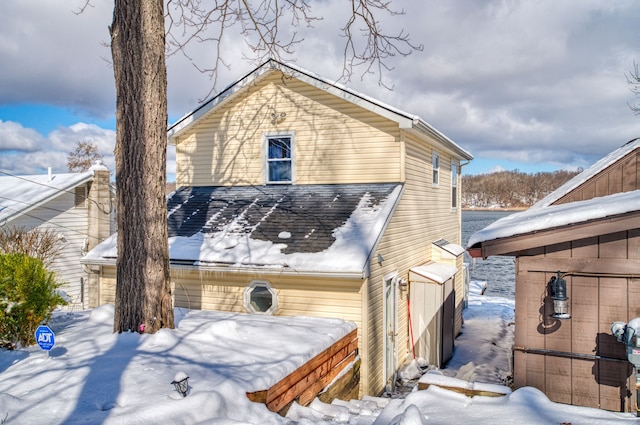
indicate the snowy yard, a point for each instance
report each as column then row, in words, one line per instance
column 93, row 376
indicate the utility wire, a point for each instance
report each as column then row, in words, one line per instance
column 51, row 224
column 60, row 191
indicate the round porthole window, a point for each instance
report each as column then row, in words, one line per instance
column 261, row 298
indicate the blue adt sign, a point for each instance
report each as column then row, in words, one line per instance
column 45, row 337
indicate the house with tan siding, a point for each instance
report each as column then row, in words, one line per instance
column 75, row 206
column 577, row 261
column 298, row 196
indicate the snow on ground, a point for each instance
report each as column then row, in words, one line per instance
column 92, row 376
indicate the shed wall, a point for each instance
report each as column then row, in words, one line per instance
column 622, row 176
column 577, row 361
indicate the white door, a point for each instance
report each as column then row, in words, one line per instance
column 391, row 330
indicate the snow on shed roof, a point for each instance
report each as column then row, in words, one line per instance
column 543, row 216
column 21, row 194
column 537, row 219
column 436, row 272
column 404, row 119
column 297, row 228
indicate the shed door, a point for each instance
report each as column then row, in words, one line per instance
column 391, row 330
column 448, row 322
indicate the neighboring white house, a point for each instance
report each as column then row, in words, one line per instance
column 77, row 206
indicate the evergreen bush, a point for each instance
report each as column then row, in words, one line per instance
column 28, row 296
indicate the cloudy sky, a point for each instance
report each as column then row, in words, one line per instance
column 522, row 84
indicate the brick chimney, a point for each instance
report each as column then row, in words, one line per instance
column 100, row 205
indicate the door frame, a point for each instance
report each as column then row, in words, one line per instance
column 390, row 328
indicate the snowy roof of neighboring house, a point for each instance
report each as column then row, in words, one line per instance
column 587, row 174
column 297, row 228
column 404, row 119
column 21, row 194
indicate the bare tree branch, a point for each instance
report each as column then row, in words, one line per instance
column 379, row 46
column 190, row 21
column 633, row 78
column 262, row 22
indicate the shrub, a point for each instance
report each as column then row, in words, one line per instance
column 42, row 243
column 28, row 296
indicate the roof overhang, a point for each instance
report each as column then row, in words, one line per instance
column 200, row 266
column 527, row 242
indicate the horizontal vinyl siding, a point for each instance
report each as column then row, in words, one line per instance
column 335, row 141
column 108, row 285
column 61, row 216
column 423, row 215
column 297, row 296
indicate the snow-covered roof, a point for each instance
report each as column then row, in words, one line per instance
column 436, row 272
column 324, row 229
column 537, row 219
column 544, row 216
column 587, row 174
column 449, row 247
column 404, row 119
column 21, row 194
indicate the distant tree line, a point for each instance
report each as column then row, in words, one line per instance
column 510, row 189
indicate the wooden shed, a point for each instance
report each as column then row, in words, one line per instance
column 586, row 233
column 433, row 301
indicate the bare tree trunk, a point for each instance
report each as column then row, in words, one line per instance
column 143, row 297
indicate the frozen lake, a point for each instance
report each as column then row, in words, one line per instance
column 498, row 272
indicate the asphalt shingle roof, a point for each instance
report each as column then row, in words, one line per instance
column 301, row 216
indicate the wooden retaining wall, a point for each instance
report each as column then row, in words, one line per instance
column 306, row 382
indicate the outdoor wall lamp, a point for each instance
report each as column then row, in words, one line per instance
column 403, row 284
column 181, row 383
column 558, row 291
column 278, row 117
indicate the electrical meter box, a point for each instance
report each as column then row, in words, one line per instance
column 629, row 333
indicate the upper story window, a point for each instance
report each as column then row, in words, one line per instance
column 435, row 166
column 279, row 157
column 454, row 185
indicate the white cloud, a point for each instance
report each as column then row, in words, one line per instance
column 14, row 137
column 25, row 151
column 512, row 78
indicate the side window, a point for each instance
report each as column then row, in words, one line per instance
column 260, row 298
column 454, row 185
column 81, row 196
column 435, row 165
column 279, row 158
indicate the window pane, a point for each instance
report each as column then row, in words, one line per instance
column 280, row 171
column 261, row 299
column 280, row 148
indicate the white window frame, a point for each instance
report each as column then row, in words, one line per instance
column 455, row 174
column 272, row 135
column 435, row 169
column 247, row 297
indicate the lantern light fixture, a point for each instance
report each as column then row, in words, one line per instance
column 181, row 383
column 558, row 291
